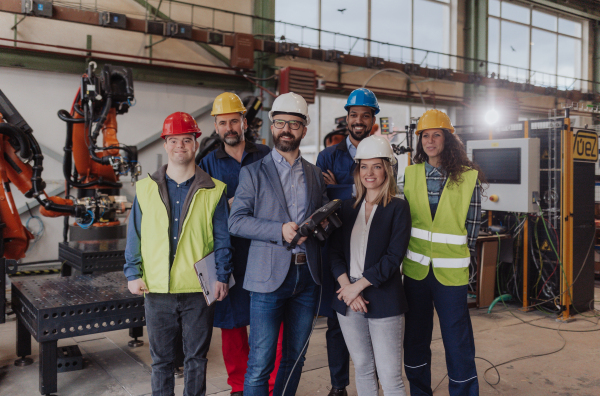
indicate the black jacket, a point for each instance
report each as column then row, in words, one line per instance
column 387, row 243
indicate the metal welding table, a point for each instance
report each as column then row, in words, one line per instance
column 52, row 309
column 86, row 257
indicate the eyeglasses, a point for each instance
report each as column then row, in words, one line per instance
column 294, row 125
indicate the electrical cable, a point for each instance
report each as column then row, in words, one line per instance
column 495, row 366
column 396, row 71
column 570, row 286
column 563, row 270
column 532, row 324
column 530, row 356
column 308, row 339
column 36, row 234
column 262, row 79
column 85, row 226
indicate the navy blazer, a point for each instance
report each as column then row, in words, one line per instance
column 386, row 246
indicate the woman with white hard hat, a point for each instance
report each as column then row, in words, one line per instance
column 443, row 190
column 365, row 257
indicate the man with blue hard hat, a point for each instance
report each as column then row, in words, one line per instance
column 337, row 164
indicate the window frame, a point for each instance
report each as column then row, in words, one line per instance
column 555, row 77
column 373, row 49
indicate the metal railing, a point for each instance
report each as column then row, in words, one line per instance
column 227, row 21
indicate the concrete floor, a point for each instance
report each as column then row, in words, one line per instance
column 112, row 368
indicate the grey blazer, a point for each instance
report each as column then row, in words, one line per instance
column 259, row 211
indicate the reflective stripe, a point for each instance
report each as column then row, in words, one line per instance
column 421, row 234
column 450, row 263
column 406, row 365
column 437, row 237
column 449, row 239
column 419, row 258
column 461, row 381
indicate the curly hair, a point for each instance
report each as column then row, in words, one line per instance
column 454, row 160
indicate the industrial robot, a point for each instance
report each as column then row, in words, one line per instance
column 98, row 167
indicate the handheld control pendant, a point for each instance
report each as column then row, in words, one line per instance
column 312, row 225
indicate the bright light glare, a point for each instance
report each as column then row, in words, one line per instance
column 492, row 117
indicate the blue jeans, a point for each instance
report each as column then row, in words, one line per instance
column 164, row 313
column 457, row 333
column 295, row 304
column 338, row 356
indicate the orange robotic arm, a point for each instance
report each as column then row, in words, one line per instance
column 16, row 236
column 28, row 181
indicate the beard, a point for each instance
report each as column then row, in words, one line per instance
column 286, row 146
column 232, row 138
column 365, row 133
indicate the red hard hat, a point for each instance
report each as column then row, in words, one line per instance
column 180, row 123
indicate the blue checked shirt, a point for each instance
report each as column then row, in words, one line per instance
column 436, row 179
column 351, row 148
column 294, row 189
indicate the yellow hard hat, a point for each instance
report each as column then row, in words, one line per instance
column 434, row 119
column 226, row 103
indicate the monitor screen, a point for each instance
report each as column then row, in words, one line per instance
column 499, row 165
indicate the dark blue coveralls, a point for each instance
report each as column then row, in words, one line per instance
column 234, row 311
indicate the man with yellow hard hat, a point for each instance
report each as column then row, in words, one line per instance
column 232, row 314
column 444, row 193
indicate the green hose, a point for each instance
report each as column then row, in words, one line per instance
column 504, row 297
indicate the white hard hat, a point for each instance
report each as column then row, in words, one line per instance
column 290, row 103
column 375, row 147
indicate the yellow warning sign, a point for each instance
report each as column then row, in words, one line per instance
column 545, row 246
column 545, row 155
column 585, row 147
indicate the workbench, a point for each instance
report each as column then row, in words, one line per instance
column 56, row 308
column 87, row 257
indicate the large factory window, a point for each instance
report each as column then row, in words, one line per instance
column 346, row 17
column 401, row 22
column 534, row 45
column 345, row 26
column 297, row 14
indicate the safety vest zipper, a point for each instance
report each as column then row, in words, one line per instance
column 168, row 230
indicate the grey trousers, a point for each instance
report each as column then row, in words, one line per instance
column 375, row 344
column 163, row 313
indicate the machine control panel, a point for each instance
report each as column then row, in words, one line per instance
column 512, row 169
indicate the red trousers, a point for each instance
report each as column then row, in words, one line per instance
column 235, row 355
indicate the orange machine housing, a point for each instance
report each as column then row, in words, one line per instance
column 84, row 164
column 16, row 236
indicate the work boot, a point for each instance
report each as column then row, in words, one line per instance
column 338, row 392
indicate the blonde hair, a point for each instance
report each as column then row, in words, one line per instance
column 389, row 189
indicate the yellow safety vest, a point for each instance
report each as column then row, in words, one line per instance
column 195, row 242
column 442, row 241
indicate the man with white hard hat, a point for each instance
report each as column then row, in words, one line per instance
column 274, row 195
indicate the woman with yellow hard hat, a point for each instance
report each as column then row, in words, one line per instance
column 444, row 193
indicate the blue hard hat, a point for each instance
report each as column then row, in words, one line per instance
column 362, row 97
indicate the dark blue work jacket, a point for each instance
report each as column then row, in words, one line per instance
column 337, row 159
column 234, row 311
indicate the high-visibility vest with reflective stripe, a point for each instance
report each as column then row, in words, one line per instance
column 443, row 241
column 195, row 242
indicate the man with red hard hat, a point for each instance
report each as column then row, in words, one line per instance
column 179, row 216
